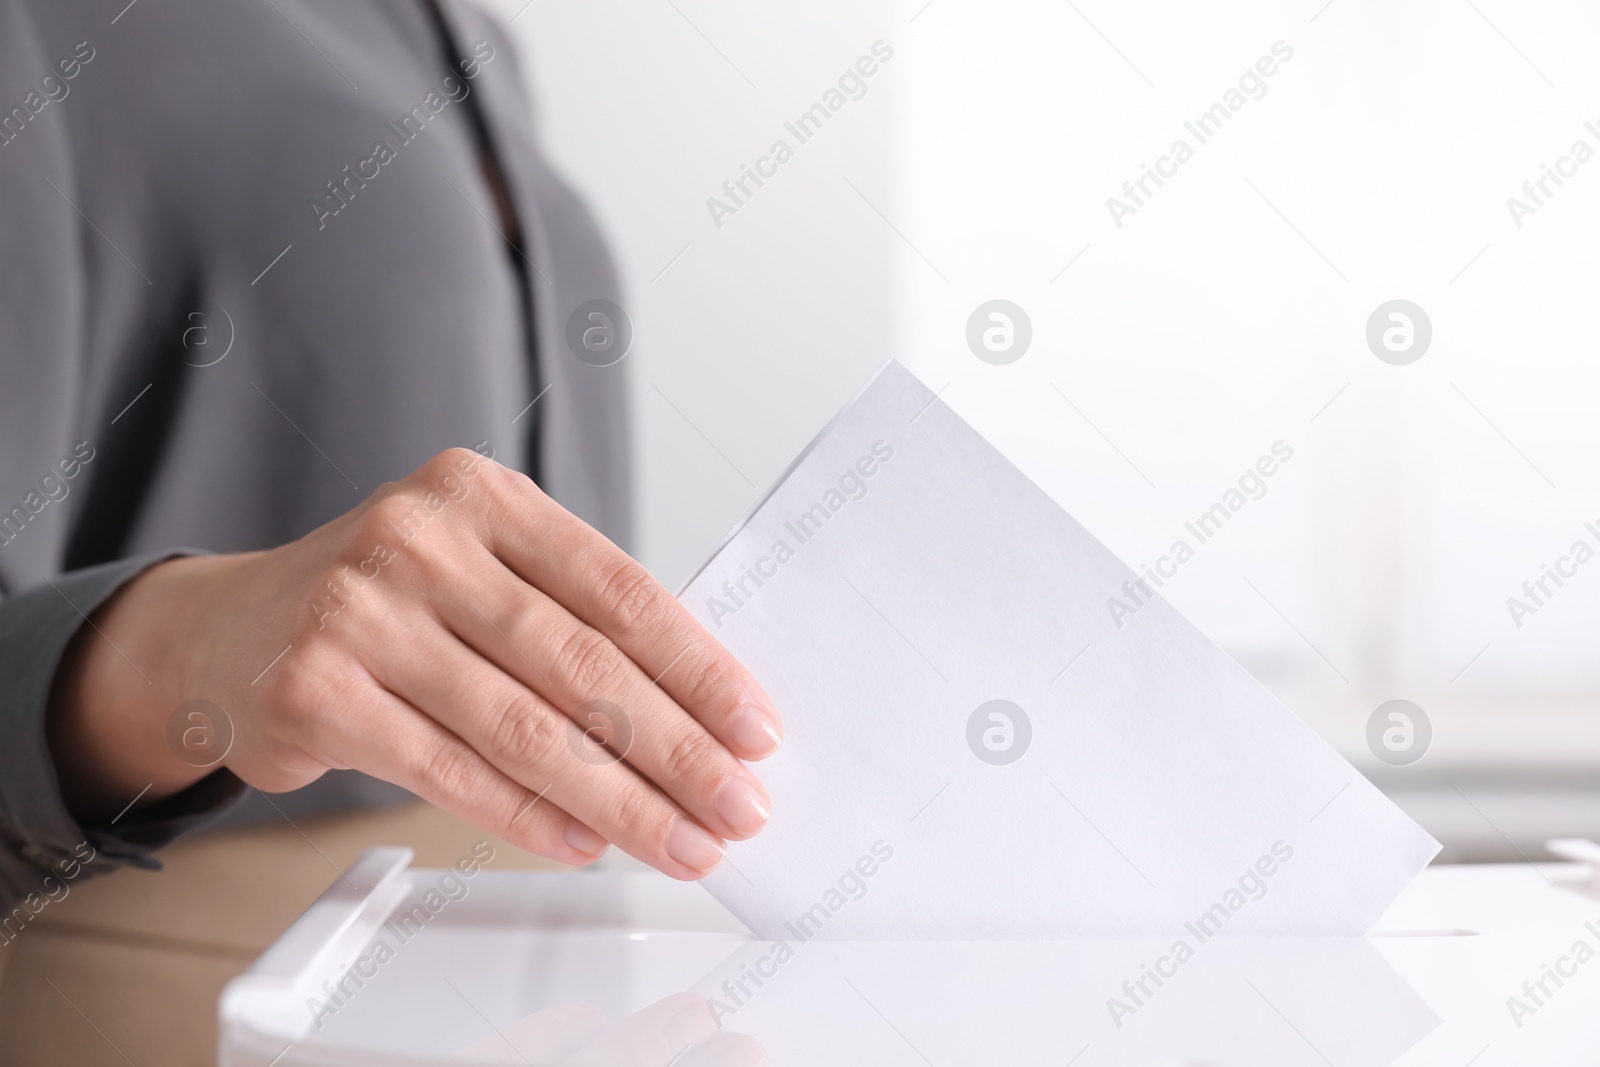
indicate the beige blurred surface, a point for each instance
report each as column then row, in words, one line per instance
column 127, row 968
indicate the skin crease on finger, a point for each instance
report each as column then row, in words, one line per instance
column 665, row 744
column 284, row 643
column 532, row 742
column 602, row 587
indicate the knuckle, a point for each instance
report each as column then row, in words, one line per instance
column 441, row 481
column 308, row 692
column 590, row 660
column 525, row 734
column 691, row 757
column 385, row 490
column 450, row 462
column 500, row 483
column 635, row 814
column 707, row 676
column 396, row 514
column 633, row 599
column 297, row 683
column 448, row 769
column 449, row 471
column 521, row 623
column 457, row 455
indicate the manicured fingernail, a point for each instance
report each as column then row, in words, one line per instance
column 754, row 732
column 692, row 846
column 584, row 839
column 741, row 806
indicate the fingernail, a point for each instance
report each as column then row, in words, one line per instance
column 741, row 805
column 584, row 839
column 692, row 846
column 753, row 730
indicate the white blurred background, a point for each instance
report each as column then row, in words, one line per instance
column 1228, row 313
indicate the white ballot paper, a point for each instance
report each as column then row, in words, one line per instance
column 974, row 747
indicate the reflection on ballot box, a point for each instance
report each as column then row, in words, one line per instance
column 1486, row 964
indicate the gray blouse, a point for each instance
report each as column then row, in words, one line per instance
column 258, row 258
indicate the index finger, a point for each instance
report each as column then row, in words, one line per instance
column 578, row 567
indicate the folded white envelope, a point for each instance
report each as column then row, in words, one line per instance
column 912, row 602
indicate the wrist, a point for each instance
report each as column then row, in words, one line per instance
column 128, row 668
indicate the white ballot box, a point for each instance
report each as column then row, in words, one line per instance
column 1486, row 965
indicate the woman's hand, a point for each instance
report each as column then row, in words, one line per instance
column 458, row 634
